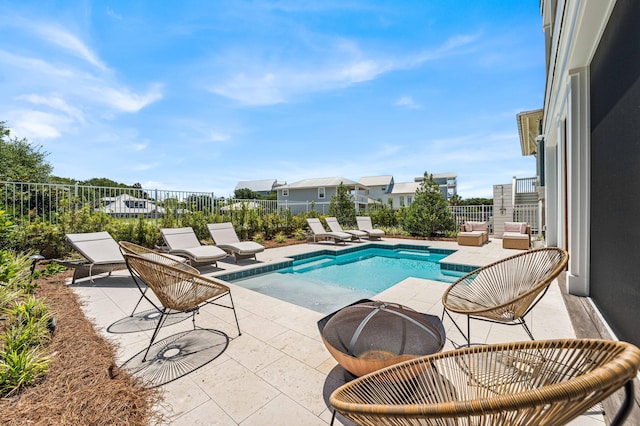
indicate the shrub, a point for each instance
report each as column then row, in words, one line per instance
column 281, row 238
column 300, row 234
column 342, row 206
column 429, row 213
column 258, row 237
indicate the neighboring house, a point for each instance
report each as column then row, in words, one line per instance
column 379, row 186
column 448, row 183
column 297, row 196
column 125, row 205
column 589, row 143
column 262, row 187
column 402, row 194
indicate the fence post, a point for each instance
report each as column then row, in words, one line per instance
column 155, row 196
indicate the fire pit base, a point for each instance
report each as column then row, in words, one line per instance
column 369, row 335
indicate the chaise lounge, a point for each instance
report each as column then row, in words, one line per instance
column 517, row 235
column 473, row 234
column 185, row 243
column 364, row 224
column 100, row 251
column 335, row 226
column 319, row 232
column 225, row 237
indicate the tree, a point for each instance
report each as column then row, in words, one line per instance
column 342, row 206
column 477, row 202
column 245, row 194
column 21, row 161
column 455, row 200
column 429, row 213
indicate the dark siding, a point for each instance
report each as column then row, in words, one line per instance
column 615, row 172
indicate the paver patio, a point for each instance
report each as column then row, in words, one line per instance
column 278, row 371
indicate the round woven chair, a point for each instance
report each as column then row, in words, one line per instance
column 178, row 289
column 525, row 383
column 505, row 291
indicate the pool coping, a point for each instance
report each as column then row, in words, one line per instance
column 272, row 267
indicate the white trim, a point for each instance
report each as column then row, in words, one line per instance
column 322, row 193
column 578, row 164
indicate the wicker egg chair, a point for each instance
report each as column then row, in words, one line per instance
column 504, row 291
column 178, row 289
column 525, row 383
column 168, row 259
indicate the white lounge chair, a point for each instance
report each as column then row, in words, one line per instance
column 319, row 233
column 364, row 224
column 101, row 254
column 334, row 225
column 225, row 237
column 185, row 243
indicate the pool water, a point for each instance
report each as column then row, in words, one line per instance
column 326, row 283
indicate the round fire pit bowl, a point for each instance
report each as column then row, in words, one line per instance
column 369, row 335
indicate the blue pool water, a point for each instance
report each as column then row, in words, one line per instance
column 326, row 283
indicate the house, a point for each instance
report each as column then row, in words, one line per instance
column 588, row 152
column 298, row 196
column 379, row 186
column 384, row 189
column 402, row 194
column 125, row 205
column 262, row 187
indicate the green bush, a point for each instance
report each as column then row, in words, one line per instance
column 428, row 214
column 342, row 206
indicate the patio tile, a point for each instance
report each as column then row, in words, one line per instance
column 253, row 353
column 208, row 413
column 298, row 381
column 283, row 410
column 236, row 389
column 303, row 348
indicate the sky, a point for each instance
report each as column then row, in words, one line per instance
column 198, row 95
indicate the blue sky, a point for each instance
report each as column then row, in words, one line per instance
column 198, row 95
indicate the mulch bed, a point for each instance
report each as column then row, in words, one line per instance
column 83, row 385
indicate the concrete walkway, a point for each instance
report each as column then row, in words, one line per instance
column 278, row 371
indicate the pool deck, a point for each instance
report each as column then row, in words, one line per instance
column 278, row 371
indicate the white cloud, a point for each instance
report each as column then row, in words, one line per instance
column 345, row 66
column 56, row 103
column 140, row 146
column 408, row 102
column 124, row 100
column 219, row 137
column 54, row 34
column 37, row 125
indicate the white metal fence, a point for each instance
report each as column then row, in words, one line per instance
column 28, row 201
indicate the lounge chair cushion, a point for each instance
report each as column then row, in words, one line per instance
column 516, row 227
column 479, row 226
column 98, row 247
column 515, row 235
column 201, row 253
column 225, row 237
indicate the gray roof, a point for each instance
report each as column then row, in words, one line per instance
column 324, row 182
column 377, row 180
column 405, row 187
column 264, row 185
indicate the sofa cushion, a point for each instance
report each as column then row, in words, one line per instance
column 479, row 226
column 515, row 236
column 468, row 226
column 519, row 227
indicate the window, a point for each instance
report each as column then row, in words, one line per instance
column 321, row 192
column 383, row 189
column 409, row 199
column 285, row 192
column 401, row 198
column 136, row 204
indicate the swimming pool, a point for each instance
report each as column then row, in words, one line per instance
column 327, row 281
